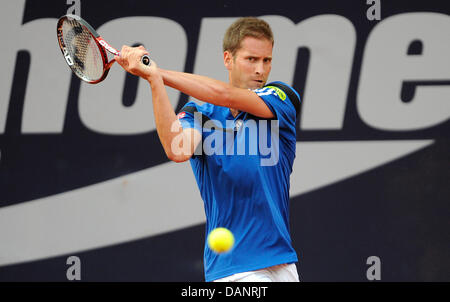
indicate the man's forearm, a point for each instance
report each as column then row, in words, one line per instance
column 200, row 87
column 216, row 92
column 165, row 116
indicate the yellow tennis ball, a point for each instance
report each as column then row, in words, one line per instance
column 220, row 240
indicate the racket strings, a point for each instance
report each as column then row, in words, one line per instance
column 82, row 48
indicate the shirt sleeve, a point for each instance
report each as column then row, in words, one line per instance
column 280, row 105
column 188, row 117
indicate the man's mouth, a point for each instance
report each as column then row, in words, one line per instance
column 255, row 84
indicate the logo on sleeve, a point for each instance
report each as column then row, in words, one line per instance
column 279, row 92
column 271, row 90
column 181, row 115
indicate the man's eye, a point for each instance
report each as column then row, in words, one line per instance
column 251, row 59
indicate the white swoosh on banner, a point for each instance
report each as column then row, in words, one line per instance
column 162, row 199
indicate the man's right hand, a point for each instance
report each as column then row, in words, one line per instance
column 130, row 60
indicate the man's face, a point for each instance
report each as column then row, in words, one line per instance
column 251, row 64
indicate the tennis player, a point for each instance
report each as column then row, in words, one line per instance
column 239, row 193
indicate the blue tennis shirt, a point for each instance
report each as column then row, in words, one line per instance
column 242, row 169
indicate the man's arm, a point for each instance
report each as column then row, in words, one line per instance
column 216, row 92
column 179, row 145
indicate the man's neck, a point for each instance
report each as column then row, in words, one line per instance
column 234, row 112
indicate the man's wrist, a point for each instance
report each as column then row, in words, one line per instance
column 154, row 77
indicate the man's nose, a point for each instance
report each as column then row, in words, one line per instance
column 259, row 68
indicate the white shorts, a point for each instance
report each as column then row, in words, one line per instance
column 277, row 273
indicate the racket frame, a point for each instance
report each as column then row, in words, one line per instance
column 101, row 44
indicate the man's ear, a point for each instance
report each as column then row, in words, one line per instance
column 227, row 59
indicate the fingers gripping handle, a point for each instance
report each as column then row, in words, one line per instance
column 146, row 60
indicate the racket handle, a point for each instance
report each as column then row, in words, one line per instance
column 146, row 60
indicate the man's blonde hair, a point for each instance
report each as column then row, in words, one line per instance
column 245, row 27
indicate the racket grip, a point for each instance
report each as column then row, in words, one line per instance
column 146, row 60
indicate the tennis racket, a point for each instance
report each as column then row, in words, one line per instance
column 84, row 49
